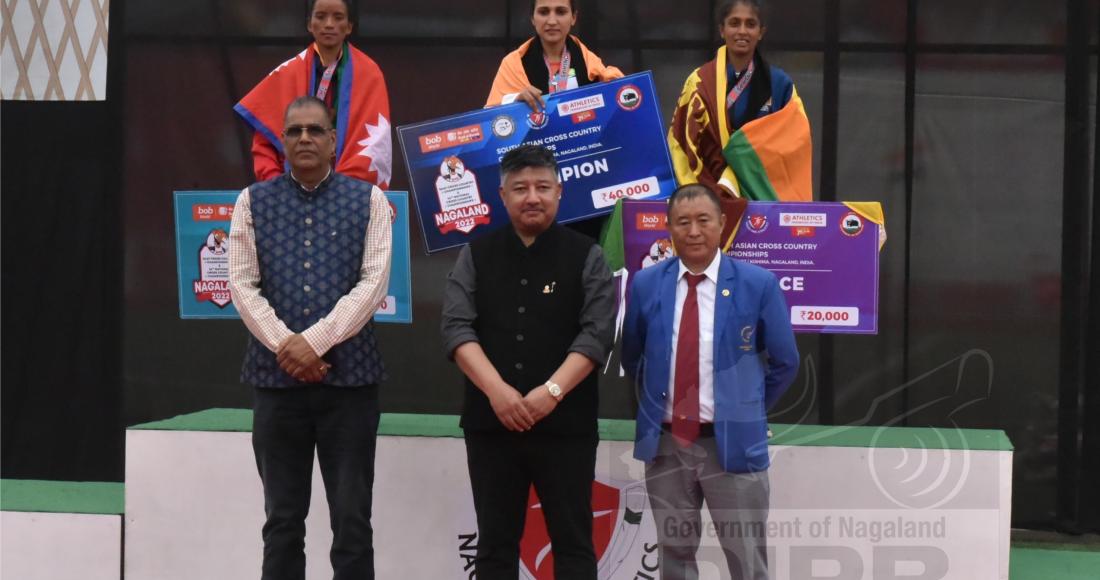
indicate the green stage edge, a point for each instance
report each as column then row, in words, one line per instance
column 410, row 425
column 70, row 497
column 1067, row 563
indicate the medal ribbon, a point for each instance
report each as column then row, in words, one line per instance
column 560, row 81
column 326, row 80
column 741, row 85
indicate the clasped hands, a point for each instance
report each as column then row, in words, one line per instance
column 298, row 359
column 518, row 412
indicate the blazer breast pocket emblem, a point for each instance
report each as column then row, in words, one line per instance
column 746, row 338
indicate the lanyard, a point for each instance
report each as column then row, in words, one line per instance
column 326, row 80
column 741, row 85
column 560, row 81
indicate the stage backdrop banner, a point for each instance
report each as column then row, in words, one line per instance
column 202, row 256
column 824, row 254
column 607, row 137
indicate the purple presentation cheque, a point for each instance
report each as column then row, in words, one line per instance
column 825, row 255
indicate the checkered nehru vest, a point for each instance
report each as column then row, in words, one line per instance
column 310, row 249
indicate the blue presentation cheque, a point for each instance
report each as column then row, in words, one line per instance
column 608, row 139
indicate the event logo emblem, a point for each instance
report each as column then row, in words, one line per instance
column 538, row 119
column 629, row 98
column 616, row 521
column 660, row 251
column 213, row 283
column 503, row 126
column 459, row 198
column 757, row 223
column 851, row 224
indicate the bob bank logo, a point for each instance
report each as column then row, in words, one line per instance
column 212, row 212
column 450, row 138
column 617, row 535
column 652, row 221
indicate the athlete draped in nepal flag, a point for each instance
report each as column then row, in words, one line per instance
column 342, row 76
column 739, row 126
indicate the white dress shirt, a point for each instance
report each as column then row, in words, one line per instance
column 704, row 294
column 351, row 313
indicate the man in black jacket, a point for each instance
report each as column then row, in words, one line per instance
column 527, row 316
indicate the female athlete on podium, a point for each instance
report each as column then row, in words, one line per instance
column 351, row 86
column 739, row 126
column 552, row 61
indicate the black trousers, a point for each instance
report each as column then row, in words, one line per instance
column 341, row 423
column 503, row 466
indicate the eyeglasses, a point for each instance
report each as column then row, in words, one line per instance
column 295, row 131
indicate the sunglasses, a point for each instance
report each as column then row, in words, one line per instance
column 295, row 131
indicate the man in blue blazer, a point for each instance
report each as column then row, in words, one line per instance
column 708, row 343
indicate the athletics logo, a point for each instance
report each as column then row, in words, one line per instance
column 757, row 223
column 616, row 521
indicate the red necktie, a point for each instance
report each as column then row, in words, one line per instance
column 685, row 396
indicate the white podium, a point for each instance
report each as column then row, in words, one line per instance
column 847, row 502
column 60, row 530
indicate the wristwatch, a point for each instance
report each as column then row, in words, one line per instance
column 555, row 390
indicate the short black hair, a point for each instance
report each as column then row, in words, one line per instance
column 692, row 191
column 724, row 8
column 534, row 3
column 526, row 156
column 309, row 101
column 313, row 4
